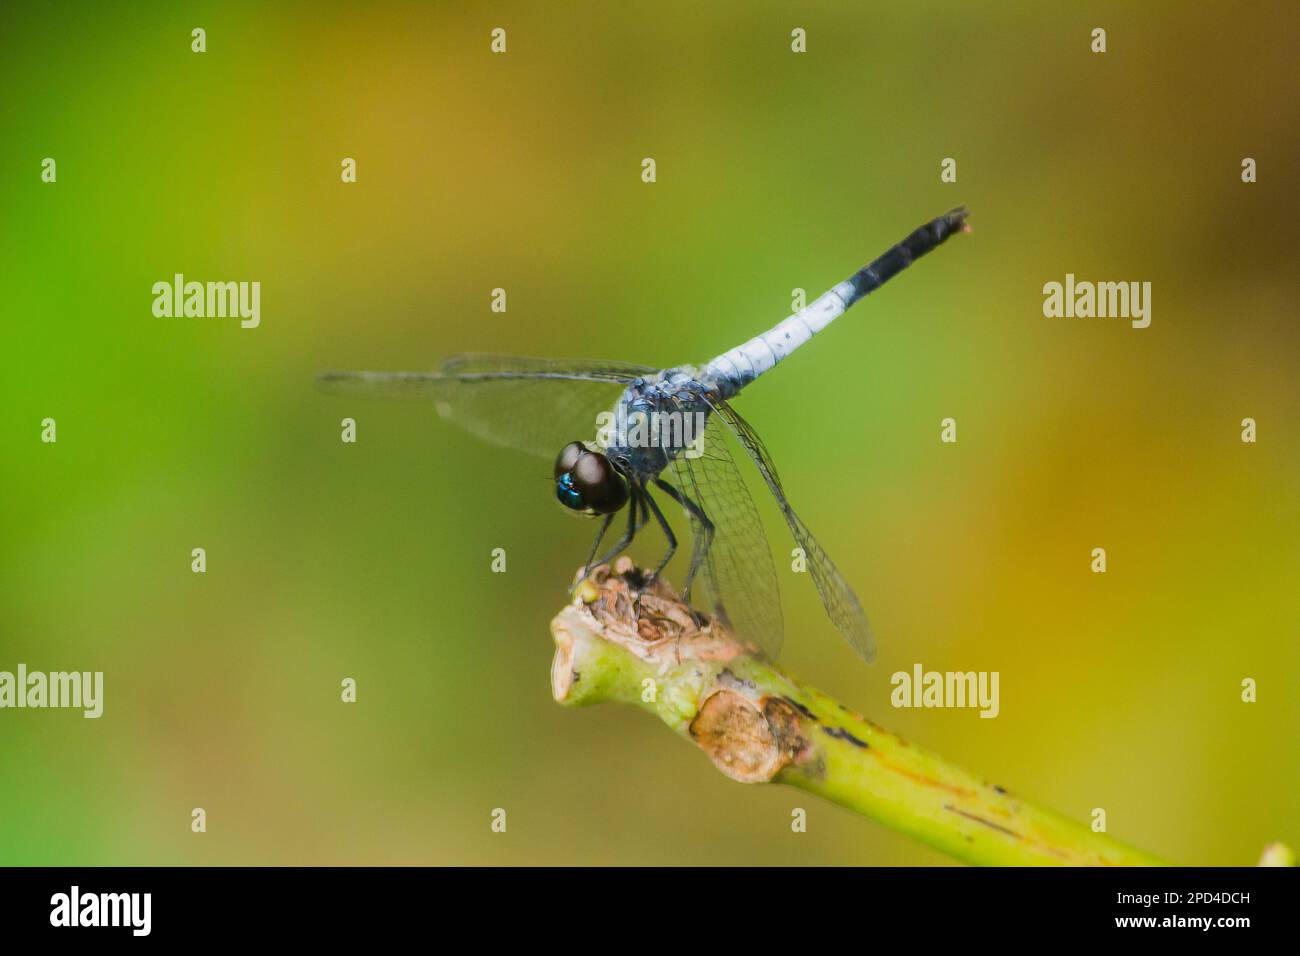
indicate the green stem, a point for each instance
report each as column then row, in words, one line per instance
column 760, row 725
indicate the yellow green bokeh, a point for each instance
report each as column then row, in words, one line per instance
column 775, row 170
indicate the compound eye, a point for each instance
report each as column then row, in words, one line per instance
column 568, row 495
column 568, row 457
column 599, row 483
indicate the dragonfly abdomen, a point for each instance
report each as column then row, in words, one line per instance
column 733, row 370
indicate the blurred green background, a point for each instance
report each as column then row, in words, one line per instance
column 775, row 170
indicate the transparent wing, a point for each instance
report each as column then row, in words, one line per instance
column 837, row 597
column 737, row 570
column 534, row 405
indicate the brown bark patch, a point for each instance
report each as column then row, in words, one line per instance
column 748, row 741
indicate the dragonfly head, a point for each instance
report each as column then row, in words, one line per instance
column 586, row 481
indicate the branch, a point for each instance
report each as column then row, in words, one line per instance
column 760, row 725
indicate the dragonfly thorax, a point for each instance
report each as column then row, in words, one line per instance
column 656, row 420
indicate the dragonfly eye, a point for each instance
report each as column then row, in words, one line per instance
column 586, row 481
column 604, row 489
column 568, row 495
column 568, row 457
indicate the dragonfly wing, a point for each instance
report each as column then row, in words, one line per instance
column 837, row 597
column 737, row 571
column 534, row 405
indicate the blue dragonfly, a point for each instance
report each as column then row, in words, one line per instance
column 665, row 431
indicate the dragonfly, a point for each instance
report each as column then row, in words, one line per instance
column 664, row 432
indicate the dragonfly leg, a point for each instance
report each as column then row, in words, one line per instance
column 668, row 533
column 633, row 526
column 703, row 541
column 604, row 526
